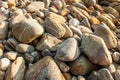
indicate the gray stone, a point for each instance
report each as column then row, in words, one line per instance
column 24, row 48
column 104, row 74
column 2, row 75
column 96, row 50
column 68, row 50
column 117, row 75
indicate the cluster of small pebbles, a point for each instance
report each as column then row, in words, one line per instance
column 59, row 40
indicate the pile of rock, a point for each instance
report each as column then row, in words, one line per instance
column 59, row 40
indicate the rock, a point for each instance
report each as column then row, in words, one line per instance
column 24, row 48
column 112, row 11
column 81, row 78
column 2, row 75
column 3, row 16
column 111, row 68
column 96, row 51
column 58, row 4
column 28, row 58
column 44, row 69
column 68, row 50
column 106, row 21
column 17, row 12
column 114, row 0
column 46, row 52
column 3, row 4
column 40, row 14
column 73, row 22
column 11, row 3
column 67, row 76
column 53, row 25
column 80, row 66
column 3, row 29
column 94, row 20
column 27, row 30
column 11, row 55
column 103, row 31
column 116, row 57
column 48, row 41
column 36, row 55
column 68, row 32
column 35, row 6
column 117, row 75
column 1, row 53
column 72, row 1
column 74, row 78
column 16, row 70
column 16, row 19
column 89, row 2
column 4, row 63
column 84, row 29
column 62, row 65
column 104, row 74
column 93, row 75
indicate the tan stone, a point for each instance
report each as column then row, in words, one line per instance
column 45, row 68
column 2, row 75
column 96, row 50
column 16, row 70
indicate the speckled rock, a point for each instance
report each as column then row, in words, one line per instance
column 45, row 68
column 27, row 30
column 16, row 70
column 97, row 50
column 68, row 50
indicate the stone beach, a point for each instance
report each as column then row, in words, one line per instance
column 59, row 40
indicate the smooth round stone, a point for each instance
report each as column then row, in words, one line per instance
column 116, row 57
column 27, row 30
column 73, row 22
column 11, row 55
column 4, row 63
column 24, row 48
column 81, row 78
column 58, row 4
column 68, row 50
column 28, row 58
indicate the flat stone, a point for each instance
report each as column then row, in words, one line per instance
column 2, row 75
column 53, row 25
column 80, row 66
column 24, row 48
column 4, row 63
column 48, row 41
column 104, row 74
column 16, row 70
column 96, row 50
column 68, row 50
column 27, row 30
column 44, row 69
column 103, row 31
column 11, row 55
column 3, row 29
column 35, row 6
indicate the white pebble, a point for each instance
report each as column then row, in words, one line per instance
column 73, row 22
column 4, row 63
